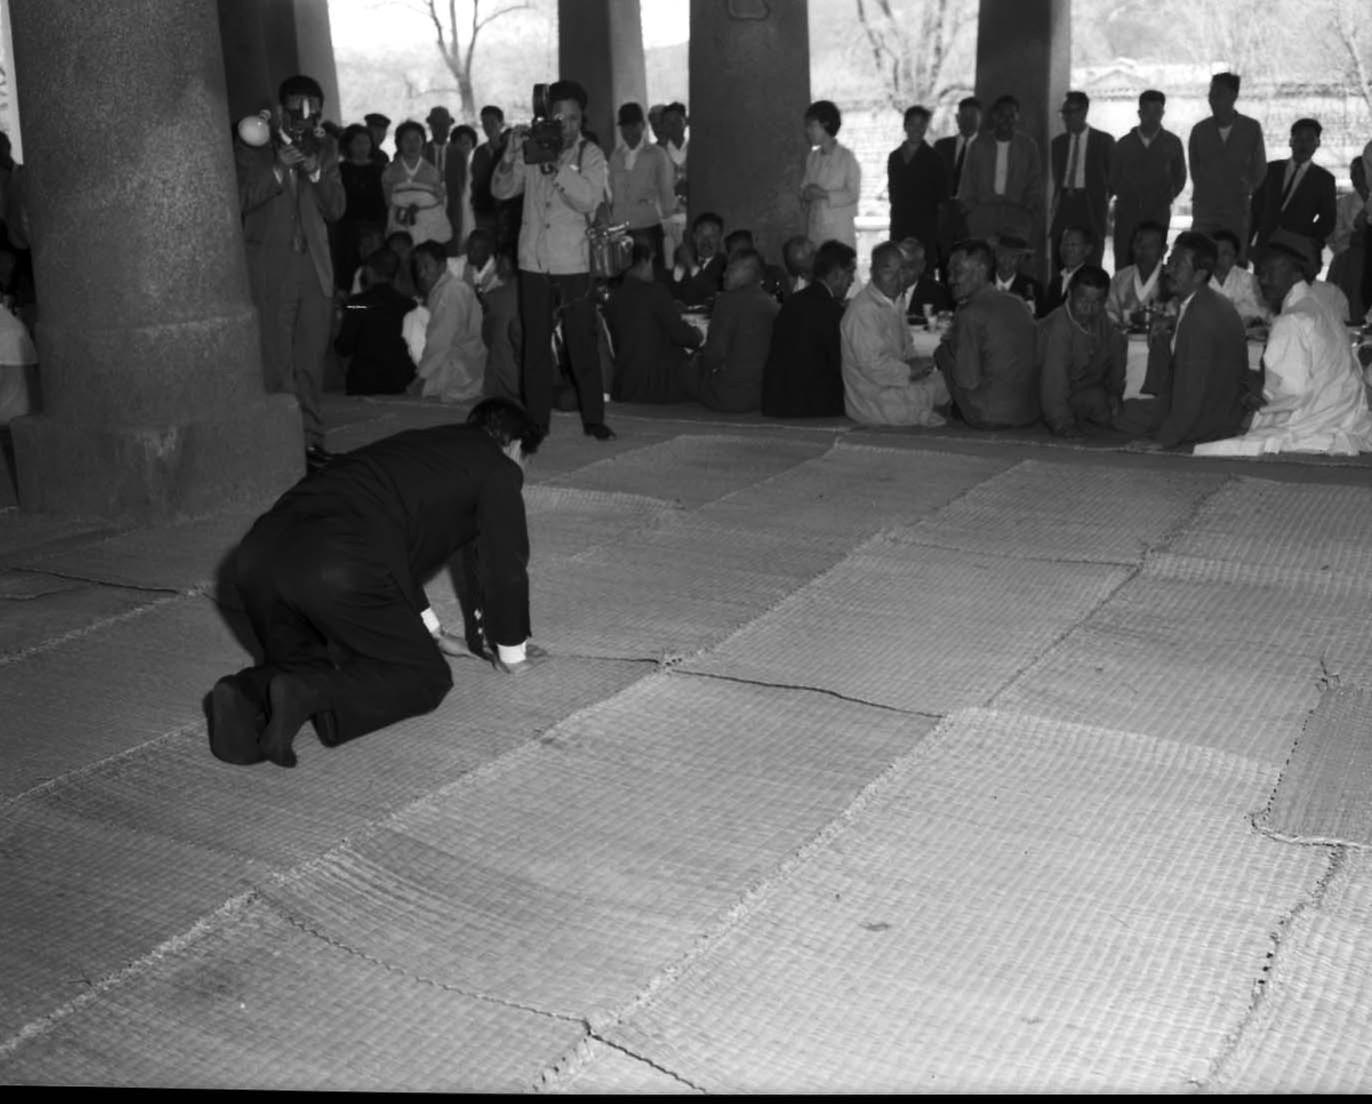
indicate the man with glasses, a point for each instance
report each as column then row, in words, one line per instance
column 1081, row 159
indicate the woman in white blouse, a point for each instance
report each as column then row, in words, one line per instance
column 829, row 191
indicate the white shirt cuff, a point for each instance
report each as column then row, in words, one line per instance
column 431, row 622
column 511, row 653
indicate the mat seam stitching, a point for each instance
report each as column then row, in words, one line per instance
column 395, row 968
column 87, row 630
column 755, row 895
column 1259, row 997
column 802, row 688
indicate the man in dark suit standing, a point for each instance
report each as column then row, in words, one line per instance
column 1297, row 195
column 916, row 183
column 288, row 191
column 485, row 208
column 1198, row 367
column 953, row 153
column 1081, row 160
column 804, row 373
column 332, row 580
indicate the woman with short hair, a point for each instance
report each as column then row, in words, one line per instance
column 832, row 183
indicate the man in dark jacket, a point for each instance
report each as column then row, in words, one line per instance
column 371, row 335
column 331, row 578
column 652, row 342
column 804, row 373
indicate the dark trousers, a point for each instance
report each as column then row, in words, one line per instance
column 544, row 299
column 296, row 317
column 325, row 607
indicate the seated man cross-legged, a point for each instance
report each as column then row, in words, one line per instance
column 988, row 356
column 1081, row 358
column 884, row 382
column 652, row 341
column 734, row 358
column 804, row 374
column 1315, row 398
column 1198, row 362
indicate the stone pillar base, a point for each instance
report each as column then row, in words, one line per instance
column 157, row 472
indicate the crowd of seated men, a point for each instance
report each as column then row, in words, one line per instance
column 702, row 316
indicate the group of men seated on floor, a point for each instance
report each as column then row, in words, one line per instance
column 1013, row 353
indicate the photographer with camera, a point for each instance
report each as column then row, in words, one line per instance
column 563, row 179
column 289, row 187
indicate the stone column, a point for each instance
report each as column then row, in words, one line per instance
column 246, row 72
column 750, row 86
column 147, row 339
column 600, row 45
column 1024, row 48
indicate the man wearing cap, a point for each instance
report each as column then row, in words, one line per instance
column 642, row 180
column 559, row 192
column 1297, row 195
column 1081, row 160
column 378, row 126
column 1314, row 396
column 288, row 191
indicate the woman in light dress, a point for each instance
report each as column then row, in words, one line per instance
column 829, row 191
column 415, row 194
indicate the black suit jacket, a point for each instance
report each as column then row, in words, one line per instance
column 804, row 373
column 371, row 335
column 1052, row 296
column 1100, row 151
column 1027, row 288
column 417, row 500
column 917, row 190
column 1311, row 212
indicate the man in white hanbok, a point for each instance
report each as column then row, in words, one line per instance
column 1316, row 400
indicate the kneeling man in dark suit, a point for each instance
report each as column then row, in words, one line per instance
column 331, row 578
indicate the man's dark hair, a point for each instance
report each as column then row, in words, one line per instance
column 1307, row 124
column 350, row 132
column 1201, row 247
column 1226, row 236
column 567, row 90
column 375, row 118
column 917, row 111
column 435, row 251
column 1089, row 275
column 1077, row 99
column 400, row 235
column 979, row 250
column 383, row 263
column 1004, row 100
column 707, row 216
column 826, row 114
column 491, row 109
column 459, row 131
column 504, row 421
column 969, row 101
column 645, row 246
column 300, row 85
column 629, row 114
column 408, row 124
column 738, row 239
column 1152, row 95
column 1279, row 252
column 833, row 256
column 675, row 106
column 1088, row 235
column 1229, row 80
column 1148, row 226
column 883, row 251
column 752, row 258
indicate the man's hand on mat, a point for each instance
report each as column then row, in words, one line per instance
column 533, row 656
